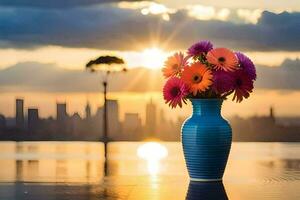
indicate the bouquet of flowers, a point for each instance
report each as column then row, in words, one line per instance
column 207, row 72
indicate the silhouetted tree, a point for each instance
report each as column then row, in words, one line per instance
column 106, row 65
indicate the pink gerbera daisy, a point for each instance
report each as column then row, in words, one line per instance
column 175, row 92
column 222, row 58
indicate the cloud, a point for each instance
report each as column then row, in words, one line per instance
column 207, row 12
column 49, row 77
column 285, row 76
column 34, row 76
column 44, row 4
column 248, row 15
column 112, row 28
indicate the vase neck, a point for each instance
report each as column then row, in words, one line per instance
column 207, row 107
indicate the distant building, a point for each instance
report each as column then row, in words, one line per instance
column 20, row 113
column 163, row 130
column 97, row 123
column 113, row 118
column 271, row 115
column 61, row 111
column 33, row 118
column 132, row 126
column 113, row 121
column 2, row 122
column 150, row 119
column 76, row 124
column 88, row 113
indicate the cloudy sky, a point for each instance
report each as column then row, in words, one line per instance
column 39, row 40
column 69, row 33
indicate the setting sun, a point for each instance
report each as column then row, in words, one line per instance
column 153, row 58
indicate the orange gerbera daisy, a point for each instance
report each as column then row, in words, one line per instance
column 223, row 58
column 174, row 64
column 198, row 77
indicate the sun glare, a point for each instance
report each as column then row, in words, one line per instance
column 153, row 58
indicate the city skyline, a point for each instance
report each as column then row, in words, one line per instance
column 71, row 126
column 88, row 109
column 64, row 125
column 135, row 102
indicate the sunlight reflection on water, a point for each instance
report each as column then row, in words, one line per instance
column 152, row 152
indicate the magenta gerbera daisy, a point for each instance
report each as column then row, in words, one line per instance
column 247, row 65
column 199, row 48
column 222, row 82
column 175, row 91
column 242, row 85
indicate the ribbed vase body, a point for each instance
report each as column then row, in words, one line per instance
column 206, row 140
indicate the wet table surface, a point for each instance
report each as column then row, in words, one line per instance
column 143, row 170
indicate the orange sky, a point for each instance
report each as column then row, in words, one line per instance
column 151, row 57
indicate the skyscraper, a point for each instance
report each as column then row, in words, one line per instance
column 132, row 126
column 162, row 128
column 113, row 118
column 61, row 111
column 76, row 124
column 20, row 113
column 113, row 121
column 272, row 113
column 88, row 111
column 150, row 118
column 33, row 118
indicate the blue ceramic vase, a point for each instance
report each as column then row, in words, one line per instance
column 206, row 140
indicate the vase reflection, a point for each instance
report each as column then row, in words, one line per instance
column 206, row 191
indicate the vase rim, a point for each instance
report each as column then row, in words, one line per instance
column 207, row 99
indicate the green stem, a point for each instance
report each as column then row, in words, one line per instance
column 227, row 94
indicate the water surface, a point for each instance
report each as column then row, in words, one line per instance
column 139, row 170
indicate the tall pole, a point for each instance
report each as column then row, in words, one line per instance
column 91, row 65
column 105, row 128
